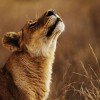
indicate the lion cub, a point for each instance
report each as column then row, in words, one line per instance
column 27, row 73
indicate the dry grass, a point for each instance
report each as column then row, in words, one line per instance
column 87, row 88
column 76, row 71
column 93, row 92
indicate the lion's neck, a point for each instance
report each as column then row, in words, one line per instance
column 33, row 75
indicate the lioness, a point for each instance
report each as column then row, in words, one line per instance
column 27, row 73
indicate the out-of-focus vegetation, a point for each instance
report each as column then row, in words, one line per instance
column 76, row 71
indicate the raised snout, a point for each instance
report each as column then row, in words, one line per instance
column 50, row 13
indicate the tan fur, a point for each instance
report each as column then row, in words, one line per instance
column 27, row 73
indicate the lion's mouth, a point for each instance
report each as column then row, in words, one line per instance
column 54, row 17
column 51, row 28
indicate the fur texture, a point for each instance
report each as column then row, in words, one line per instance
column 27, row 73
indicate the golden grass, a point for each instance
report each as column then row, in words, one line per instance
column 86, row 89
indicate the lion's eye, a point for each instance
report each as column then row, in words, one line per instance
column 32, row 25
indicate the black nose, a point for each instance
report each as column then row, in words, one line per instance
column 50, row 13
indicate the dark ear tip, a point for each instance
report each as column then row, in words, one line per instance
column 11, row 41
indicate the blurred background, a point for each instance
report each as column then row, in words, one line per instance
column 76, row 71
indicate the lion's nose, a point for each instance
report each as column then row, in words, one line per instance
column 50, row 13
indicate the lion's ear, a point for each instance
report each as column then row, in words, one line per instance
column 11, row 40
